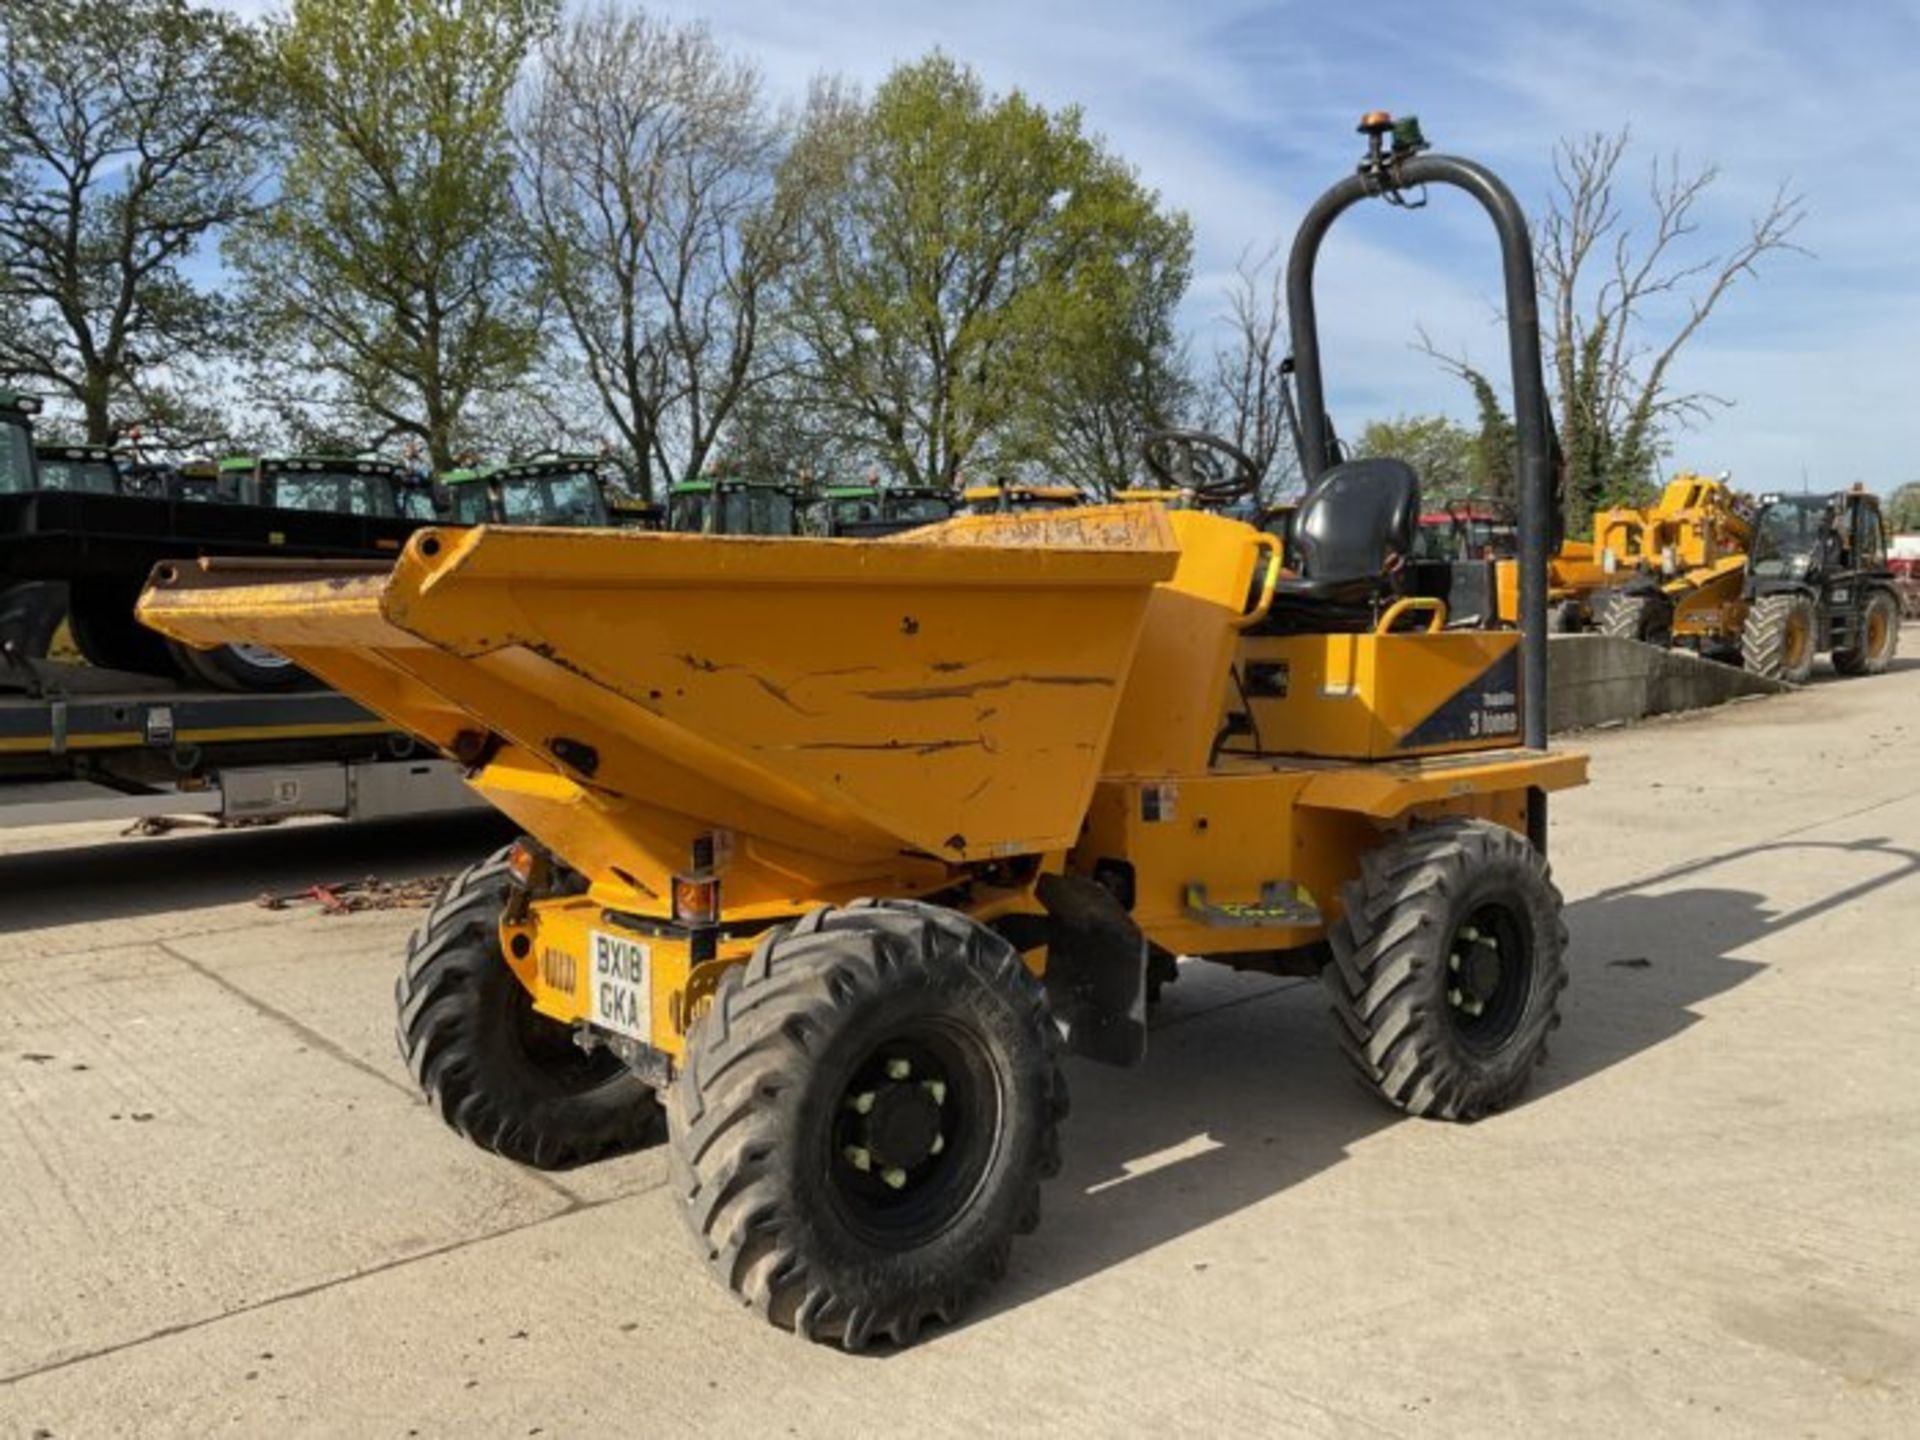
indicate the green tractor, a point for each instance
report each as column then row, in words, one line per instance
column 1818, row 581
column 866, row 511
column 469, row 496
column 733, row 505
column 567, row 490
column 334, row 484
column 563, row 490
column 90, row 469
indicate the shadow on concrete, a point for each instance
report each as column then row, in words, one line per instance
column 1244, row 1094
column 189, row 868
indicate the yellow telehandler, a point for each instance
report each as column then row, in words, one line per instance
column 1678, row 568
column 835, row 845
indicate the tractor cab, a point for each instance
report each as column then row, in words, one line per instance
column 89, row 469
column 201, row 482
column 469, row 496
column 1467, row 530
column 1000, row 497
column 1797, row 536
column 414, row 498
column 868, row 511
column 570, row 491
column 18, row 470
column 726, row 505
column 327, row 484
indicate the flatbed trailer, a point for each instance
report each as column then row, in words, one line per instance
column 81, row 744
column 70, row 535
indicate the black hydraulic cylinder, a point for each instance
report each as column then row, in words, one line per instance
column 1531, row 419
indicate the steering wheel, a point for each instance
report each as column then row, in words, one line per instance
column 1213, row 471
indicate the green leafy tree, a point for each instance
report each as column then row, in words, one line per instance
column 390, row 266
column 129, row 135
column 977, row 268
column 1445, row 455
column 1903, row 507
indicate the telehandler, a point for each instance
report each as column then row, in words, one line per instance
column 1679, row 567
column 1819, row 581
column 834, row 846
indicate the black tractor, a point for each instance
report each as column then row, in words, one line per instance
column 1818, row 581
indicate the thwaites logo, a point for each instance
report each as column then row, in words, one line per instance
column 1486, row 707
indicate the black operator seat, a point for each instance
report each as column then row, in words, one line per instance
column 1351, row 537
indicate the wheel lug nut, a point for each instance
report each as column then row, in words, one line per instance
column 898, row 1069
column 939, row 1144
column 858, row 1157
column 894, row 1179
column 937, row 1089
column 1454, row 997
column 860, row 1104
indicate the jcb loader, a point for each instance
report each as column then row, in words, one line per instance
column 834, row 846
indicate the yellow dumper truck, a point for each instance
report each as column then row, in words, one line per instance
column 834, row 845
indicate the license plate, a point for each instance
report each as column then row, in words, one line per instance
column 622, row 976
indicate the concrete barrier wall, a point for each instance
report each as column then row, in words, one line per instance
column 1601, row 679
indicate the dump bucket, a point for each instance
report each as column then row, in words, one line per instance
column 947, row 692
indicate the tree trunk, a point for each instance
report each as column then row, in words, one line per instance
column 99, row 412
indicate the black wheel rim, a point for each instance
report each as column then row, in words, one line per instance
column 1490, row 964
column 913, row 1133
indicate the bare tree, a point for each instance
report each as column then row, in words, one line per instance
column 1621, row 295
column 129, row 134
column 646, row 175
column 1599, row 281
column 1247, row 400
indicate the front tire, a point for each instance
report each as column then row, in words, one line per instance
column 864, row 1119
column 1447, row 968
column 1879, row 638
column 1646, row 618
column 1777, row 640
column 106, row 632
column 506, row 1077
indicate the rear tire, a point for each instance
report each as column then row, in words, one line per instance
column 1879, row 639
column 506, row 1077
column 1447, row 968
column 1777, row 640
column 30, row 616
column 864, row 1118
column 106, row 632
column 1646, row 618
column 249, row 669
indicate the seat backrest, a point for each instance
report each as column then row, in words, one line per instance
column 1360, row 515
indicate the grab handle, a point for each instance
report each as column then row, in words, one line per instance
column 1276, row 555
column 1407, row 605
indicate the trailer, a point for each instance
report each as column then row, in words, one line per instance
column 77, row 743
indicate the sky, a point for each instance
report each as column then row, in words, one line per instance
column 1239, row 112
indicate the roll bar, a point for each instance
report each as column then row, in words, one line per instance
column 1389, row 173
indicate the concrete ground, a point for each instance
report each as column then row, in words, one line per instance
column 222, row 1210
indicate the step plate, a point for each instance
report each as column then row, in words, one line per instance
column 1281, row 902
